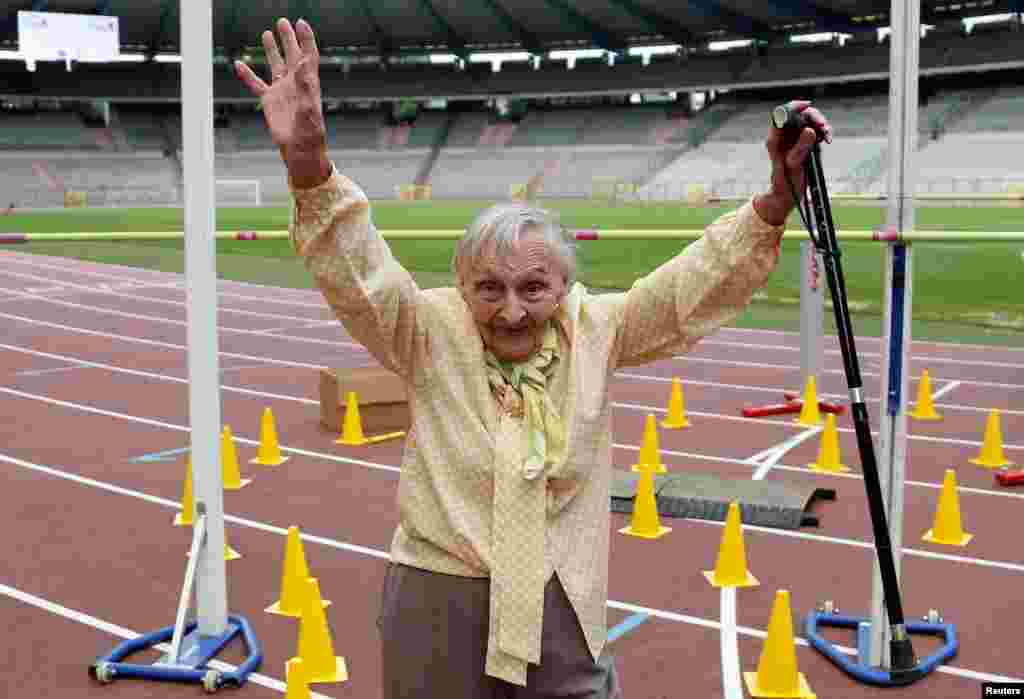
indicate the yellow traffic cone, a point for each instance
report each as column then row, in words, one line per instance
column 777, row 674
column 810, row 414
column 315, row 646
column 186, row 517
column 925, row 408
column 269, row 453
column 991, row 455
column 649, row 452
column 828, row 452
column 947, row 528
column 297, row 680
column 229, row 462
column 676, row 419
column 645, row 522
column 731, row 566
column 293, row 578
column 352, row 428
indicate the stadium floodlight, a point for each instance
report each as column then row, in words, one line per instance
column 197, row 641
column 61, row 36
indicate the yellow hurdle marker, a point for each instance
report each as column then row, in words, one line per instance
column 269, row 453
column 650, row 456
column 645, row 522
column 731, row 566
column 293, row 579
column 947, row 528
column 810, row 413
column 828, row 453
column 315, row 645
column 925, row 408
column 777, row 674
column 352, row 428
column 298, row 680
column 676, row 419
column 229, row 462
column 991, row 455
column 186, row 518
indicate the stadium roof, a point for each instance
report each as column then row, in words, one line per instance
column 393, row 27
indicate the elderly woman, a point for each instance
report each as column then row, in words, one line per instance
column 497, row 585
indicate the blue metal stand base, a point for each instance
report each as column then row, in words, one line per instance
column 860, row 668
column 196, row 652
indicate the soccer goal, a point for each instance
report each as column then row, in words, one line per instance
column 236, row 192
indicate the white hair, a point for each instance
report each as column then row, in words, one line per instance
column 505, row 224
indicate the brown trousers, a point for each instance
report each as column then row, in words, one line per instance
column 433, row 630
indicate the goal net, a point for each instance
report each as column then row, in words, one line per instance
column 235, row 192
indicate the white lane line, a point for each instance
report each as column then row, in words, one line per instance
column 41, row 372
column 793, row 367
column 128, row 634
column 778, row 391
column 769, row 457
column 384, row 555
column 307, row 401
column 181, row 323
column 755, row 459
column 155, row 343
column 945, row 389
column 794, row 425
column 871, row 338
column 306, row 326
column 179, row 283
column 732, row 680
column 873, row 355
column 856, row 543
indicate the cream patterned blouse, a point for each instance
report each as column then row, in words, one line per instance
column 462, row 447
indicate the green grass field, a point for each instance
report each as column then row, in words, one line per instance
column 962, row 291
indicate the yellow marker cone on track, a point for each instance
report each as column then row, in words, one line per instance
column 777, row 674
column 229, row 553
column 947, row 528
column 650, row 456
column 828, row 452
column 186, row 518
column 352, row 428
column 810, row 414
column 229, row 462
column 676, row 419
column 925, row 408
column 731, row 566
column 293, row 578
column 645, row 522
column 298, row 680
column 269, row 453
column 315, row 646
column 991, row 455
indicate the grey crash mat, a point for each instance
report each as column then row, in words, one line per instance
column 706, row 496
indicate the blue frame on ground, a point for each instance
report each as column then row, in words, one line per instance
column 168, row 455
column 625, row 626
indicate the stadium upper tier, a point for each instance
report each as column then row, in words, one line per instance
column 791, row 66
column 966, row 138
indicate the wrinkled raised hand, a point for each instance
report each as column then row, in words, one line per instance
column 292, row 104
column 788, row 149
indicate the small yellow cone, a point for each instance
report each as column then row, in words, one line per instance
column 352, row 428
column 269, row 453
column 991, row 455
column 777, row 674
column 645, row 522
column 731, row 566
column 925, row 408
column 298, row 681
column 229, row 553
column 828, row 452
column 293, row 578
column 810, row 414
column 186, row 518
column 315, row 646
column 676, row 419
column 947, row 528
column 229, row 462
column 649, row 453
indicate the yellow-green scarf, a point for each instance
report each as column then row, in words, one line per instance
column 521, row 388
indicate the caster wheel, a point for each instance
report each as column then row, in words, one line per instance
column 933, row 617
column 211, row 681
column 103, row 673
column 828, row 607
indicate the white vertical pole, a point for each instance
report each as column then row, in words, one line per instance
column 903, row 94
column 201, row 278
column 812, row 312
